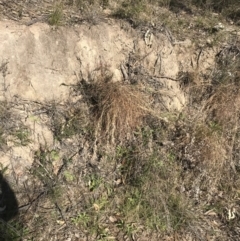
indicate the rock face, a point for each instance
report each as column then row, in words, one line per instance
column 40, row 59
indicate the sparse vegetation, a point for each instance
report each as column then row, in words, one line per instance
column 12, row 129
column 128, row 172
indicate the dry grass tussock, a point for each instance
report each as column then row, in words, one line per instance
column 208, row 148
column 224, row 102
column 223, row 114
column 209, row 137
column 224, row 107
column 117, row 108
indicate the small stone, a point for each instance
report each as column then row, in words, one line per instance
column 209, row 41
column 113, row 219
column 218, row 27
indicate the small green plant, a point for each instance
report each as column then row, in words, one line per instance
column 54, row 155
column 69, row 176
column 93, row 181
column 22, row 137
column 56, row 16
column 121, row 151
column 82, row 219
column 215, row 127
column 133, row 201
column 100, row 203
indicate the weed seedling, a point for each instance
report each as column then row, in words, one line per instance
column 56, row 16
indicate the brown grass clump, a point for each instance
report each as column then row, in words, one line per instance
column 117, row 108
column 208, row 147
column 224, row 119
column 224, row 106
